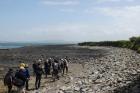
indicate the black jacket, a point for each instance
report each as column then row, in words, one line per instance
column 39, row 71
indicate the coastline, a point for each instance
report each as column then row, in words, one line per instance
column 106, row 69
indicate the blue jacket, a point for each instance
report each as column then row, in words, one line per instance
column 21, row 74
column 27, row 73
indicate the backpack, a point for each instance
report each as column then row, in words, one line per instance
column 39, row 71
column 18, row 82
column 65, row 62
column 56, row 66
column 8, row 79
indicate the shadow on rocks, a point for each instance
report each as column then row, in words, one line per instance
column 133, row 87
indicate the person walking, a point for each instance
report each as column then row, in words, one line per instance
column 34, row 66
column 27, row 76
column 65, row 65
column 46, row 68
column 20, row 80
column 55, row 66
column 49, row 66
column 8, row 79
column 62, row 66
column 38, row 72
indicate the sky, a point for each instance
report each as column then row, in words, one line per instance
column 68, row 20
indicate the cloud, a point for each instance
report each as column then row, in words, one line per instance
column 74, row 32
column 60, row 2
column 106, row 1
column 77, row 32
column 123, row 12
column 102, row 1
column 70, row 10
column 122, row 23
column 125, row 19
column 126, row 11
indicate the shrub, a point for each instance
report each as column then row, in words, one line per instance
column 132, row 43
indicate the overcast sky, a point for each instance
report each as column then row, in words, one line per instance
column 68, row 20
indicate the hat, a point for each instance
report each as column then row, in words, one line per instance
column 26, row 65
column 22, row 68
column 22, row 65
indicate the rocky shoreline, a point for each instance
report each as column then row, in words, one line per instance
column 117, row 72
column 92, row 69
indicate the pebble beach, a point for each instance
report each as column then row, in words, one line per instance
column 91, row 69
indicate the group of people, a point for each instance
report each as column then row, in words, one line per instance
column 52, row 66
column 20, row 78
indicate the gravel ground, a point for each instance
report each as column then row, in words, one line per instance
column 92, row 69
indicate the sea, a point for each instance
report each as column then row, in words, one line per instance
column 17, row 45
column 7, row 45
column 11, row 45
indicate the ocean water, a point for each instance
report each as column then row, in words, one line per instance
column 18, row 45
column 11, row 45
